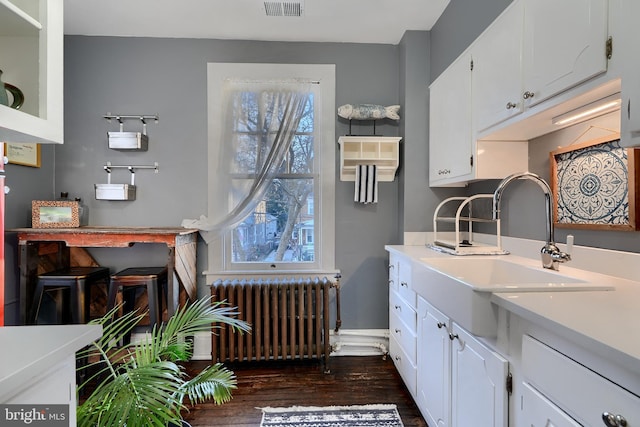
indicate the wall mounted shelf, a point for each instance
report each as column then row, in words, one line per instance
column 384, row 152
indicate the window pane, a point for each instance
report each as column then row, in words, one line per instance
column 280, row 229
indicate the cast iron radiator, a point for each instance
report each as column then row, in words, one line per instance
column 289, row 319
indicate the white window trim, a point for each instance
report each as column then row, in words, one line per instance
column 323, row 73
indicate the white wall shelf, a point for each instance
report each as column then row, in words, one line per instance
column 384, row 152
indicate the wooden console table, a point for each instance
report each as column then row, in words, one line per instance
column 181, row 262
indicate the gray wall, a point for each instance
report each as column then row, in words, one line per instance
column 168, row 77
column 460, row 24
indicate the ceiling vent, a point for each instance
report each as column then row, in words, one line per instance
column 284, row 8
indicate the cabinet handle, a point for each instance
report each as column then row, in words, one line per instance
column 404, row 284
column 511, row 105
column 441, row 325
column 452, row 336
column 398, row 331
column 444, row 171
column 391, row 266
column 611, row 420
column 398, row 308
column 629, row 109
column 398, row 358
column 528, row 95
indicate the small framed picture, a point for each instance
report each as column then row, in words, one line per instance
column 23, row 154
column 54, row 214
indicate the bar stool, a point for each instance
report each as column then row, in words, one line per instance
column 153, row 279
column 77, row 281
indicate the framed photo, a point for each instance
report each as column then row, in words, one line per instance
column 23, row 154
column 54, row 214
column 595, row 185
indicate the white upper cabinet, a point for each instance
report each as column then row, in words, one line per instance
column 497, row 70
column 564, row 45
column 628, row 47
column 450, row 133
column 31, row 48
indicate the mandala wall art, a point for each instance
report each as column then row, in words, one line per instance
column 594, row 185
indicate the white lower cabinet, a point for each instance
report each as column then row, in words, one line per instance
column 461, row 382
column 538, row 411
column 402, row 321
column 573, row 389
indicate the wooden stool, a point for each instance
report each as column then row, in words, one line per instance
column 154, row 279
column 78, row 281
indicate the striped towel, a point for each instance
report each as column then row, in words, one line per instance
column 366, row 186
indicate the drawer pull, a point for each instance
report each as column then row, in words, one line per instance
column 404, row 284
column 511, row 105
column 528, row 94
column 441, row 325
column 452, row 336
column 398, row 331
column 399, row 308
column 611, row 420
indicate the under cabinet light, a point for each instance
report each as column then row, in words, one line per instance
column 597, row 108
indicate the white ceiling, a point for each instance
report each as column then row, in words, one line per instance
column 349, row 21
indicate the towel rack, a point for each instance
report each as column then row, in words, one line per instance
column 384, row 152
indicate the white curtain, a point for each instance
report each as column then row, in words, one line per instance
column 261, row 119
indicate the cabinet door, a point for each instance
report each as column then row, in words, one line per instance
column 628, row 46
column 564, row 45
column 450, row 138
column 497, row 70
column 478, row 383
column 433, row 364
column 31, row 35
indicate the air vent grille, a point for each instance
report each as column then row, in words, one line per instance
column 279, row 8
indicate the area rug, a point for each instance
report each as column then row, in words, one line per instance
column 332, row 416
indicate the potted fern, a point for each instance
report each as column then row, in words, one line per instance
column 143, row 383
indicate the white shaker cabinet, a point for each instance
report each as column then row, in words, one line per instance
column 31, row 48
column 402, row 321
column 433, row 364
column 564, row 45
column 455, row 157
column 461, row 382
column 630, row 114
column 497, row 69
column 450, row 133
column 573, row 389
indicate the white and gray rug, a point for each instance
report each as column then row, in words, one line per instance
column 381, row 415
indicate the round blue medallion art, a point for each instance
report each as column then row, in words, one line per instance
column 593, row 185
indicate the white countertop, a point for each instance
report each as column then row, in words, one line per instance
column 29, row 351
column 606, row 321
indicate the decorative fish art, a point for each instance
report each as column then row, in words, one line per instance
column 369, row 112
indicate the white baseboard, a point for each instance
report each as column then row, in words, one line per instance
column 359, row 342
column 347, row 342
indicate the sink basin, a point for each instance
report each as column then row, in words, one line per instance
column 499, row 275
column 461, row 287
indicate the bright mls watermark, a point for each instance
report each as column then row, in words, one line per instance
column 34, row 415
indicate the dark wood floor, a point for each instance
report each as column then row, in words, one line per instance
column 352, row 381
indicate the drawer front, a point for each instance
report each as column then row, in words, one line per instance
column 538, row 411
column 393, row 272
column 405, row 366
column 404, row 335
column 403, row 310
column 580, row 392
column 404, row 283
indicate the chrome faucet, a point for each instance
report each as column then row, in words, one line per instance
column 551, row 255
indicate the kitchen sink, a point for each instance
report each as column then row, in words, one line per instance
column 500, row 275
column 461, row 287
